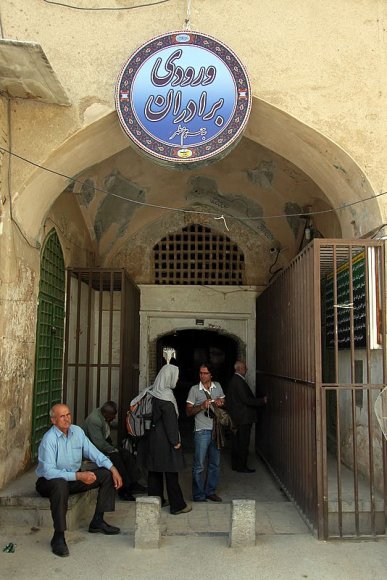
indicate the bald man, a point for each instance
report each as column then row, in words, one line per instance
column 60, row 456
column 242, row 406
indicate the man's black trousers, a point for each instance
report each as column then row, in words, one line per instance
column 124, row 461
column 58, row 490
column 240, row 443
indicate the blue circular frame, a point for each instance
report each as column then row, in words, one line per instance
column 232, row 89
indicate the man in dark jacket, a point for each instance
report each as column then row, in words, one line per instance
column 242, row 406
column 97, row 429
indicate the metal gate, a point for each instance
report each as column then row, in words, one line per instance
column 320, row 358
column 102, row 342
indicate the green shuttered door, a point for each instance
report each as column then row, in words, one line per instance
column 49, row 338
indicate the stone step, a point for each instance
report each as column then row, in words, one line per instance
column 22, row 506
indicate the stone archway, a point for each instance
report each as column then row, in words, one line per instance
column 332, row 169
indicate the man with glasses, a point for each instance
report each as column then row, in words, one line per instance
column 199, row 400
column 59, row 475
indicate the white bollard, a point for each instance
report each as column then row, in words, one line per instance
column 147, row 532
column 242, row 528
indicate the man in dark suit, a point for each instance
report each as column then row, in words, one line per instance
column 242, row 406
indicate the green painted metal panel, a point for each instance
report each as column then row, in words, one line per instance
column 49, row 338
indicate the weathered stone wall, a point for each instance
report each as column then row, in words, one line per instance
column 19, row 289
column 18, row 299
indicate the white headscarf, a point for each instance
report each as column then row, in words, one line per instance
column 164, row 383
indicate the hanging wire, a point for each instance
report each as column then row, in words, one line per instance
column 187, row 22
column 192, row 211
column 148, row 4
column 224, row 221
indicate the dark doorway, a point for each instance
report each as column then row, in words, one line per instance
column 193, row 347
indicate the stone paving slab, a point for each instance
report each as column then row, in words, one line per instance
column 208, row 518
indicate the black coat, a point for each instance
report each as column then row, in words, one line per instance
column 164, row 434
column 241, row 402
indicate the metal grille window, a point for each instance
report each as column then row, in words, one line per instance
column 196, row 255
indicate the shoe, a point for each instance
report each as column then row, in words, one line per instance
column 246, row 470
column 200, row 500
column 126, row 496
column 59, row 547
column 138, row 488
column 214, row 497
column 103, row 528
column 164, row 503
column 188, row 508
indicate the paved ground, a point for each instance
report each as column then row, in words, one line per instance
column 275, row 557
column 195, row 545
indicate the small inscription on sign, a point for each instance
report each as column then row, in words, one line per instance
column 183, row 97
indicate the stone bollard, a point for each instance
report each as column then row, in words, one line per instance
column 147, row 532
column 242, row 529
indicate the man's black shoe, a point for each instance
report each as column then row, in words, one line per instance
column 246, row 470
column 214, row 497
column 59, row 547
column 103, row 528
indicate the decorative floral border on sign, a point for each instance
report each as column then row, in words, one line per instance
column 148, row 142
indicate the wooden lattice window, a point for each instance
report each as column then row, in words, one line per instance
column 196, row 255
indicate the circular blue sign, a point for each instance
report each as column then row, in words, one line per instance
column 183, row 98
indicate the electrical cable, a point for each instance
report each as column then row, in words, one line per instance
column 191, row 211
column 1, row 27
column 187, row 21
column 272, row 266
column 106, row 8
column 275, row 261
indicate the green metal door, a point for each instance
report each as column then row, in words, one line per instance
column 49, row 338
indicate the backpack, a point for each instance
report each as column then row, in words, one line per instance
column 139, row 416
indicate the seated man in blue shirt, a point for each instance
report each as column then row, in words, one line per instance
column 60, row 456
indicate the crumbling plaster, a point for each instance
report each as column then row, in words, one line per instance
column 329, row 167
column 18, row 290
column 251, row 183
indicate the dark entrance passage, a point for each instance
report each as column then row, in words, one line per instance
column 192, row 348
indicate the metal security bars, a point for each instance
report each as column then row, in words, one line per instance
column 197, row 255
column 102, row 341
column 320, row 357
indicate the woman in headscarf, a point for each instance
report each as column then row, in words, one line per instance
column 165, row 454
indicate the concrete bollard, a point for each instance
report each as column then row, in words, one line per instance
column 147, row 532
column 242, row 529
